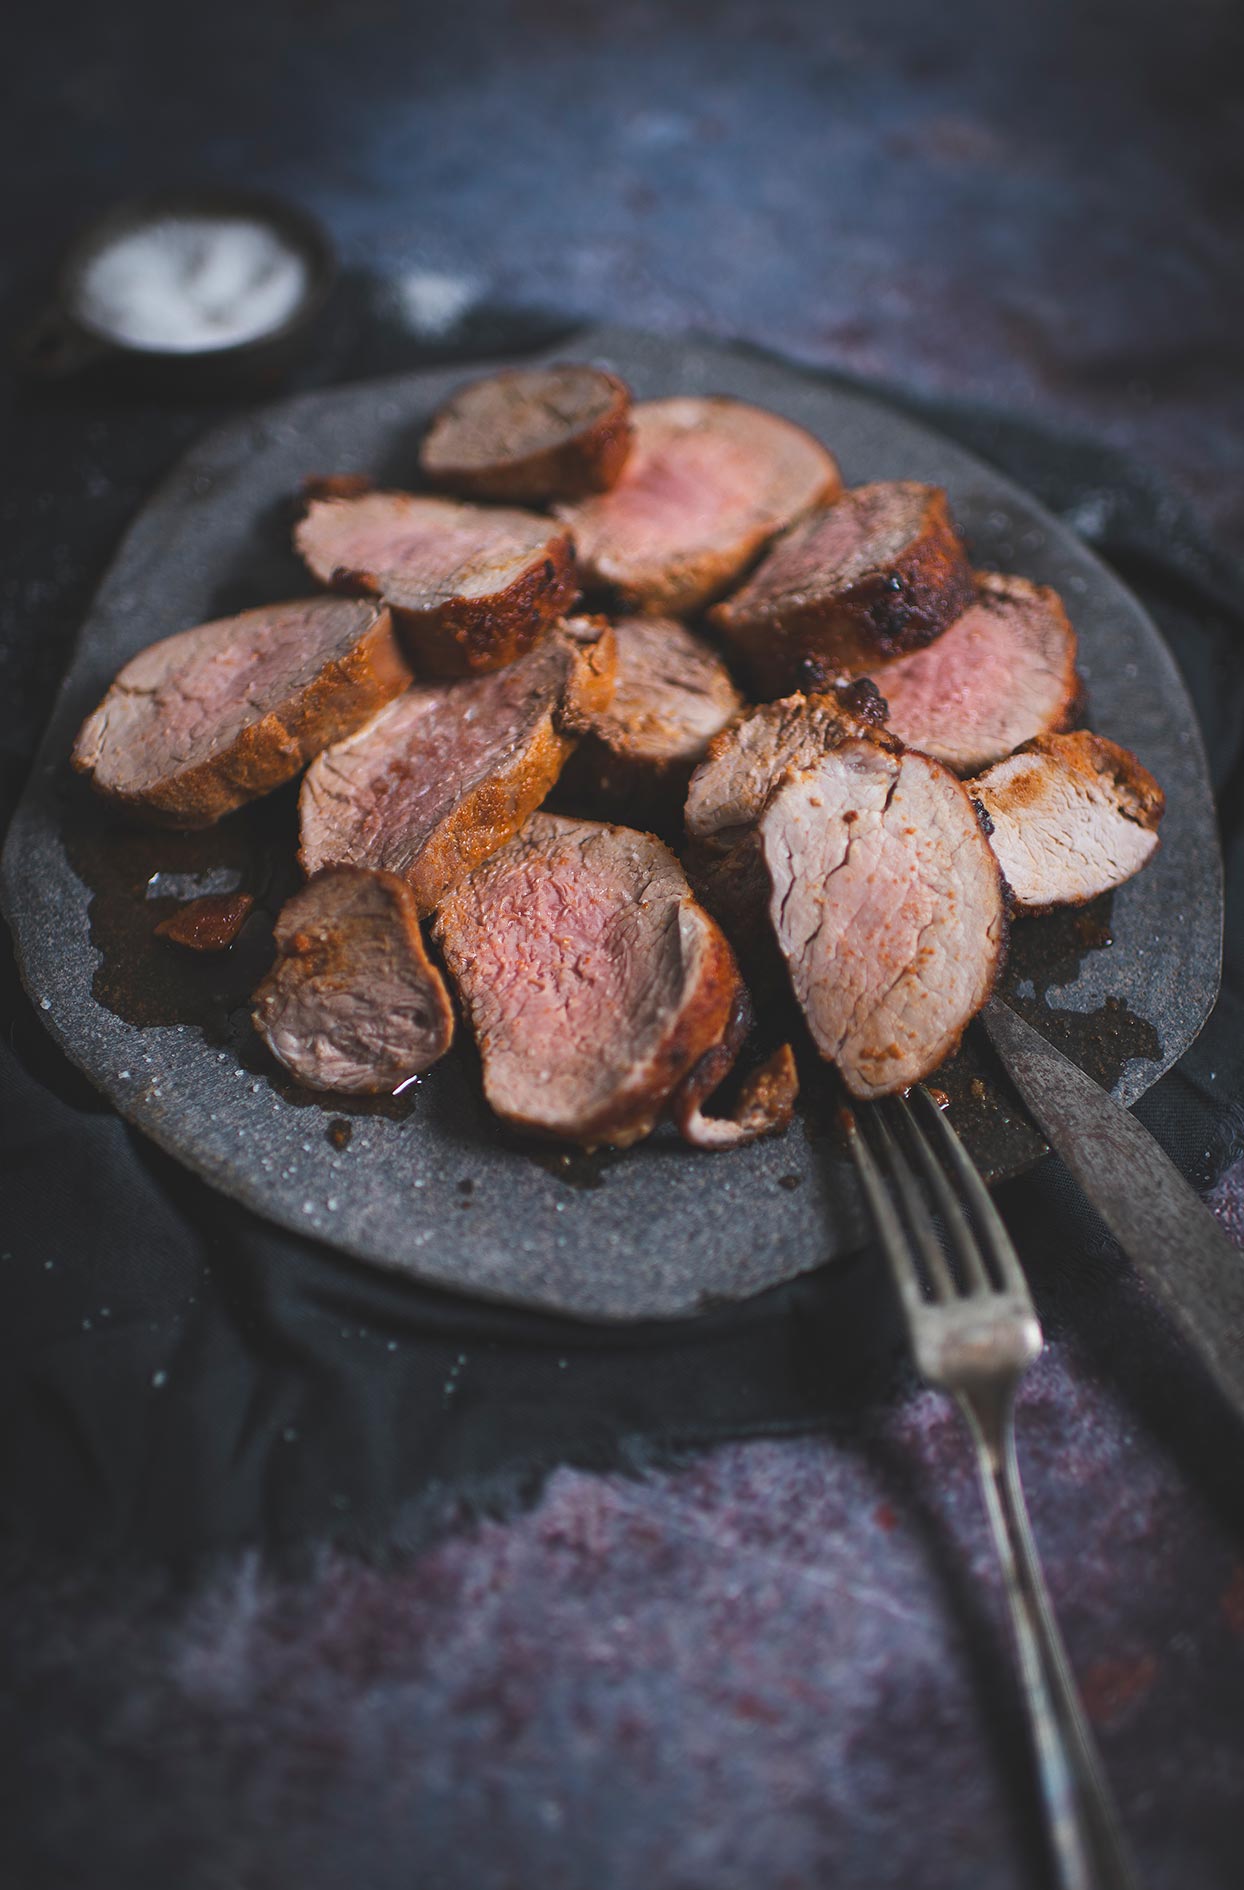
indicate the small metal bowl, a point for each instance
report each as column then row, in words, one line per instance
column 67, row 341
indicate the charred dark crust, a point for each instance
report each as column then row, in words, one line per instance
column 984, row 819
column 862, row 698
column 909, row 608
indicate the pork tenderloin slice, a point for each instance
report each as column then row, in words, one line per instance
column 202, row 722
column 531, row 435
column 707, row 484
column 1070, row 816
column 888, row 907
column 470, row 587
column 353, row 1002
column 880, row 571
column 733, row 785
column 593, row 981
column 443, row 776
column 1004, row 673
column 744, row 763
column 672, row 696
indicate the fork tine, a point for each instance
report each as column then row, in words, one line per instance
column 886, row 1220
column 958, row 1226
column 989, row 1220
column 919, row 1224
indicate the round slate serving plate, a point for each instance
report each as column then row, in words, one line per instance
column 428, row 1183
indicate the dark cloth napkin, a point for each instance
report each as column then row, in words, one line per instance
column 180, row 1377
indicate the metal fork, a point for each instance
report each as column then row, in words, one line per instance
column 974, row 1332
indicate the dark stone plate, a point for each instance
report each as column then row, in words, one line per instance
column 427, row 1182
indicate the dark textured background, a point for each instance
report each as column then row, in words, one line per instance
column 765, row 1665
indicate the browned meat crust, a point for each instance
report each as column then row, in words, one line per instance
column 353, row 1002
column 1069, row 817
column 470, row 587
column 530, row 436
column 209, row 924
column 593, row 981
column 707, row 485
column 199, row 724
column 440, row 780
column 879, row 572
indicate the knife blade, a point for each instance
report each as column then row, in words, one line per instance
column 1160, row 1222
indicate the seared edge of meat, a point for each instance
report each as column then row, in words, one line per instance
column 388, row 798
column 764, row 1105
column 889, row 909
column 880, row 571
column 353, row 1003
column 1069, row 817
column 502, row 578
column 531, row 435
column 198, row 724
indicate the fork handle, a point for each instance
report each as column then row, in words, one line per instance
column 1084, row 1832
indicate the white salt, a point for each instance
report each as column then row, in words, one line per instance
column 185, row 283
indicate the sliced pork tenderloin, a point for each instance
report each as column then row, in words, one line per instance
column 707, row 485
column 353, row 1002
column 531, row 435
column 672, row 696
column 594, row 983
column 730, row 790
column 204, row 721
column 880, row 571
column 1004, row 673
column 1069, row 817
column 443, row 776
column 888, row 907
column 470, row 586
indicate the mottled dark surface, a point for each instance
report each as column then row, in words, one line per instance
column 706, row 1679
column 762, row 1668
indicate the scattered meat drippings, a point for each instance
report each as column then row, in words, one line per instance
column 210, row 924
